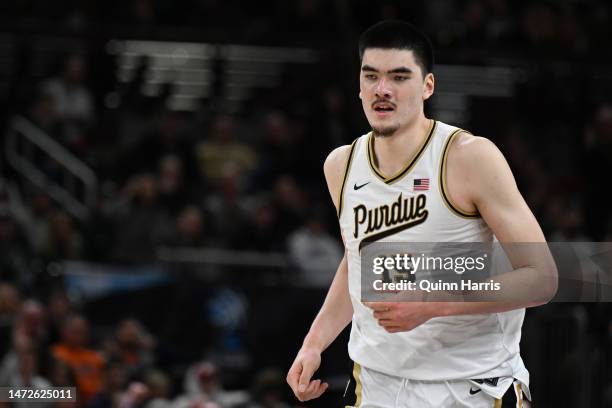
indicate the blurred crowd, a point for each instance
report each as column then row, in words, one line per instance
column 569, row 27
column 172, row 178
column 49, row 344
column 167, row 179
column 252, row 180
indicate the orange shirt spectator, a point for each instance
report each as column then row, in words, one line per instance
column 87, row 364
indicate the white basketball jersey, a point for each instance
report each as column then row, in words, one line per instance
column 443, row 348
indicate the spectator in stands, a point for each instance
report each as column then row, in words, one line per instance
column 134, row 347
column 268, row 390
column 189, row 230
column 60, row 373
column 540, row 27
column 168, row 134
column 73, row 101
column 43, row 113
column 202, row 385
column 10, row 303
column 139, row 220
column 141, row 13
column 58, row 309
column 501, row 25
column 86, row 363
column 279, row 150
column 115, row 380
column 24, row 373
column 134, row 396
column 291, row 203
column 175, row 190
column 31, row 324
column 72, row 98
column 159, row 385
column 227, row 209
column 314, row 251
column 35, row 219
column 20, row 366
column 261, row 230
column 132, row 98
column 572, row 34
column 473, row 27
column 220, row 155
column 15, row 259
column 337, row 124
column 566, row 221
column 63, row 241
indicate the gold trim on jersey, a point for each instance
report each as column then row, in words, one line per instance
column 356, row 374
column 408, row 166
column 498, row 403
column 347, row 169
column 442, row 184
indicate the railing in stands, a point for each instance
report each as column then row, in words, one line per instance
column 28, row 149
column 223, row 257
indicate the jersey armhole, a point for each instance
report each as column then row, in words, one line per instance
column 347, row 169
column 442, row 181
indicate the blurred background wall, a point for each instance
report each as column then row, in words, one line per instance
column 162, row 203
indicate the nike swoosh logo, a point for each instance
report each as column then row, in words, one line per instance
column 356, row 187
column 474, row 391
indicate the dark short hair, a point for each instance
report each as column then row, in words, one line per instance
column 395, row 34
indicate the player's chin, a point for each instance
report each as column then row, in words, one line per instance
column 384, row 129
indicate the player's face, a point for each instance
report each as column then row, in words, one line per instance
column 392, row 89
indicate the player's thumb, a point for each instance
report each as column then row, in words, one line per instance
column 307, row 372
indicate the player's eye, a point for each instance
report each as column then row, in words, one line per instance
column 370, row 77
column 400, row 78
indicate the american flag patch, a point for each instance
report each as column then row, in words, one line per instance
column 421, row 184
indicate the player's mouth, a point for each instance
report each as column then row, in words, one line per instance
column 383, row 109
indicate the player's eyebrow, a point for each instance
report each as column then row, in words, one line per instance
column 368, row 68
column 398, row 70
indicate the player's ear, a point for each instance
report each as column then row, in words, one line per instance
column 360, row 95
column 428, row 85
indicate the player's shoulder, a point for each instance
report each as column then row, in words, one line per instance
column 473, row 151
column 336, row 160
column 334, row 168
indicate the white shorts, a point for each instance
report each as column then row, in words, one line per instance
column 371, row 389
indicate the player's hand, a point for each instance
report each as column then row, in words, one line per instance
column 300, row 373
column 397, row 317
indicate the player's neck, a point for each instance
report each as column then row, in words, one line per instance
column 392, row 153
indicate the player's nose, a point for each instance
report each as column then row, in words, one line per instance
column 383, row 89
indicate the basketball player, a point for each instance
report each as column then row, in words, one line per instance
column 419, row 354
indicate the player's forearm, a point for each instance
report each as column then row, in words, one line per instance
column 472, row 308
column 335, row 314
column 523, row 287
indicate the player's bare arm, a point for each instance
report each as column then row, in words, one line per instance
column 336, row 312
column 480, row 180
column 479, row 176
